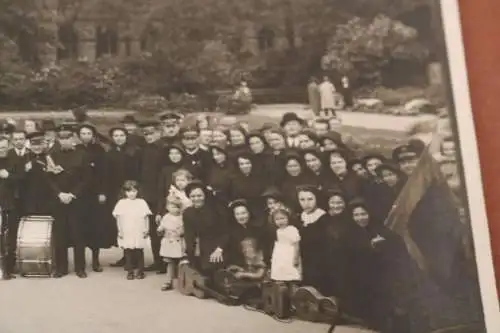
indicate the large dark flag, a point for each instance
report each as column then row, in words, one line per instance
column 443, row 295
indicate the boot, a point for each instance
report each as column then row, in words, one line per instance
column 96, row 266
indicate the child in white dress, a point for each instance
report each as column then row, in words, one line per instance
column 285, row 260
column 131, row 214
column 173, row 247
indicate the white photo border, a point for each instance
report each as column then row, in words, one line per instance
column 459, row 86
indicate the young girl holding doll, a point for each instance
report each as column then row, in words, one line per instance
column 173, row 247
column 131, row 214
column 285, row 260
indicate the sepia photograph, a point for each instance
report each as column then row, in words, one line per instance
column 217, row 166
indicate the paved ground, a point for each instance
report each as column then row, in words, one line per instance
column 354, row 119
column 107, row 303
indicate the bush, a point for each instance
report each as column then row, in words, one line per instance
column 400, row 96
column 149, row 103
column 186, row 103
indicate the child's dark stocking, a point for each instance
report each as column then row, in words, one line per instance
column 139, row 259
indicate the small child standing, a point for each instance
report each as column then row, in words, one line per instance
column 285, row 260
column 131, row 214
column 173, row 247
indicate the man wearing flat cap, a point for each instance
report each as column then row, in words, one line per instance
column 170, row 123
column 406, row 156
column 69, row 174
column 152, row 157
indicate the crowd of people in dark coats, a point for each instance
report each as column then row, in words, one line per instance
column 312, row 208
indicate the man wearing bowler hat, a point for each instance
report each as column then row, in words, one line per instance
column 292, row 124
column 69, row 173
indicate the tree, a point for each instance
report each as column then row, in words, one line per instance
column 363, row 47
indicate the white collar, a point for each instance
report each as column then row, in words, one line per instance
column 192, row 152
column 310, row 218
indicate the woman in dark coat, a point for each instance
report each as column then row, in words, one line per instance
column 205, row 231
column 237, row 141
column 100, row 231
column 277, row 143
column 296, row 175
column 121, row 163
column 374, row 189
column 337, row 232
column 314, row 241
column 384, row 280
column 246, row 183
column 175, row 160
column 219, row 176
column 243, row 225
column 315, row 163
column 332, row 141
column 369, row 291
column 339, row 176
column 261, row 154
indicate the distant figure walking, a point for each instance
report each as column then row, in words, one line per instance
column 314, row 95
column 346, row 90
column 328, row 96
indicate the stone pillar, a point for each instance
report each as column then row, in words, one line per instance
column 86, row 40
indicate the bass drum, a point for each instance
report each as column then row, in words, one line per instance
column 34, row 246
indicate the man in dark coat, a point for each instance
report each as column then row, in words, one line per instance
column 9, row 222
column 18, row 157
column 170, row 122
column 69, row 176
column 152, row 158
column 198, row 160
column 49, row 128
column 36, row 195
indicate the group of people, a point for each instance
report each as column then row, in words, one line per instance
column 324, row 97
column 290, row 201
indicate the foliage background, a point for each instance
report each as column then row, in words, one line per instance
column 197, row 50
